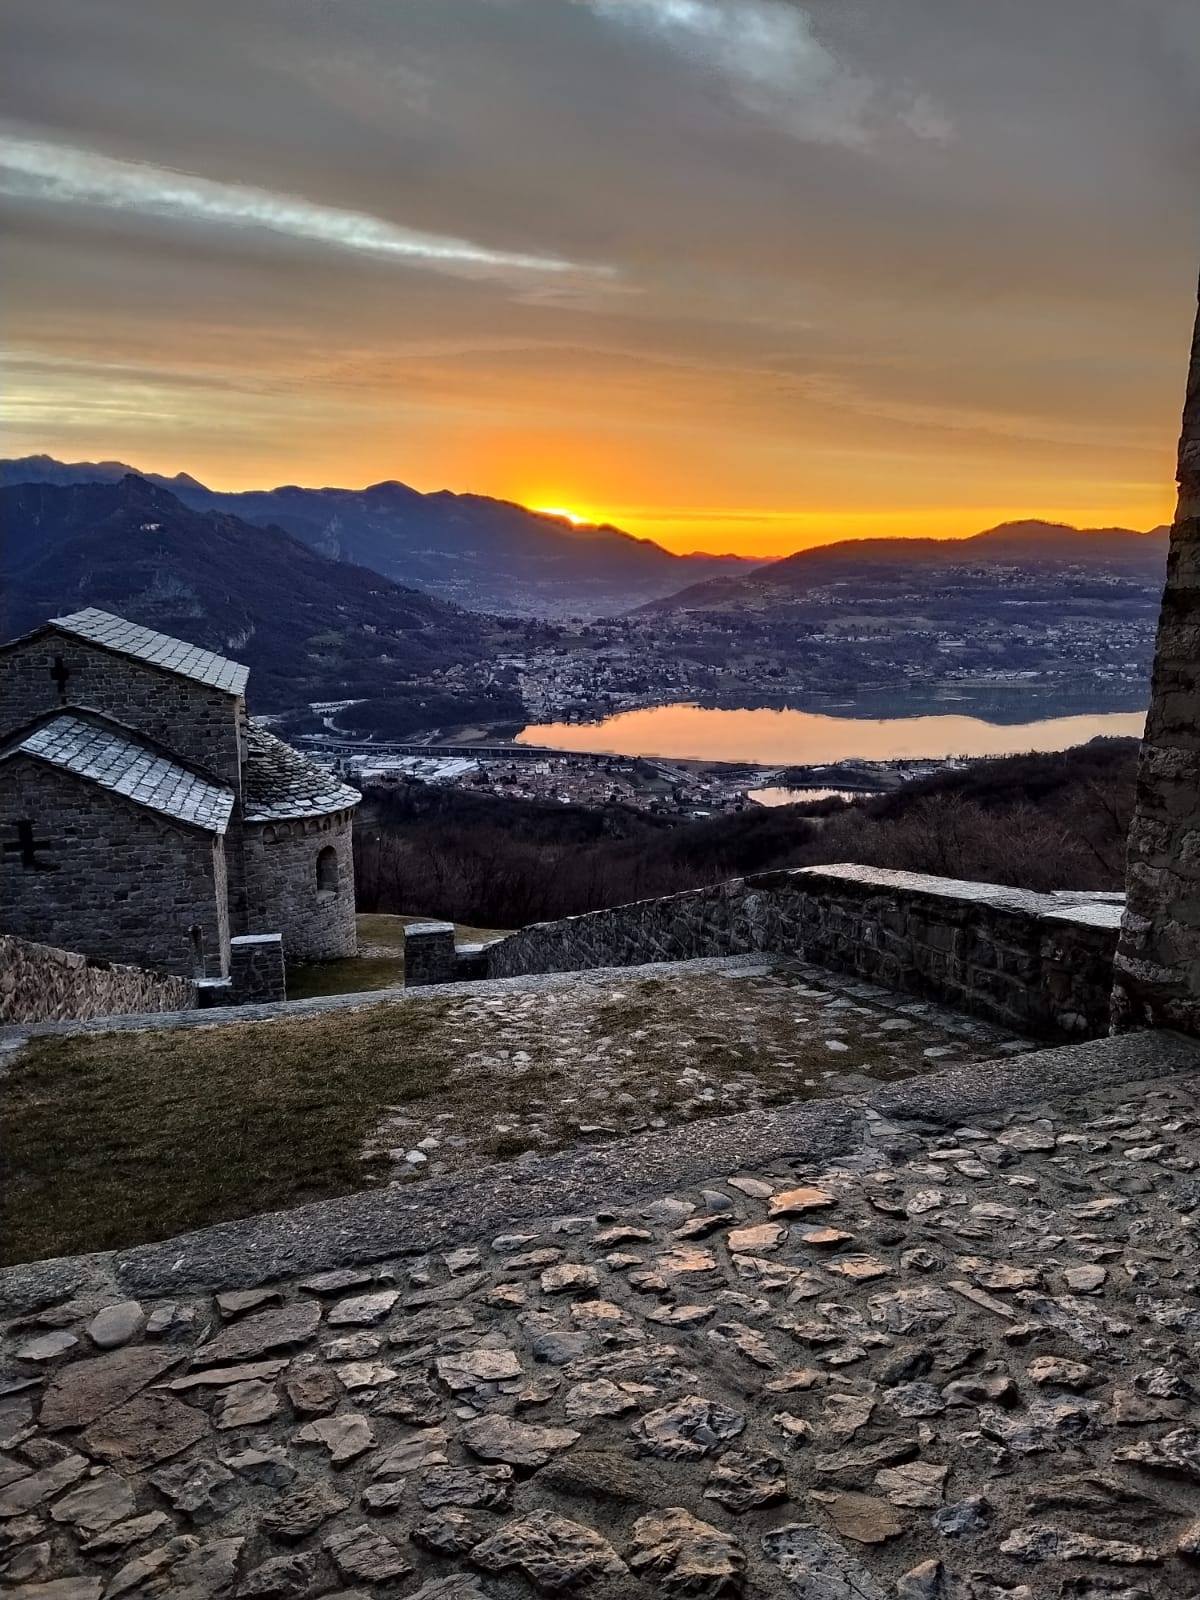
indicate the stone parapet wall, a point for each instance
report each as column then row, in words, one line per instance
column 40, row 983
column 1039, row 963
column 256, row 969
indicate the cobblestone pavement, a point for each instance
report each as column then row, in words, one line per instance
column 620, row 1051
column 958, row 1363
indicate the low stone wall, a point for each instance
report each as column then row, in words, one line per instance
column 40, row 983
column 257, row 971
column 1039, row 963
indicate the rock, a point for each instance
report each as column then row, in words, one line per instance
column 61, row 1589
column 280, row 1578
column 337, row 1281
column 686, row 1556
column 605, row 1475
column 1038, row 1542
column 1177, row 1454
column 28, row 1492
column 202, row 1490
column 246, row 1405
column 860, row 1517
column 686, row 1430
column 265, row 1463
column 142, row 1569
column 225, row 1377
column 519, row 1444
column 817, row 1567
column 795, row 1202
column 450, row 1532
column 122, row 1534
column 412, row 1401
column 922, row 1310
column 362, row 1310
column 96, row 1504
column 459, row 1586
column 551, row 1551
column 915, row 1483
column 471, row 1367
column 116, row 1325
column 859, row 1269
column 79, row 1393
column 47, row 1347
column 364, row 1553
column 964, row 1516
column 237, row 1302
column 427, row 1449
column 915, row 1400
column 743, row 1481
column 600, row 1398
column 478, row 1489
column 753, row 1240
column 254, row 1336
column 843, row 1415
column 1085, row 1280
column 346, row 1436
column 313, row 1391
column 144, row 1431
column 207, row 1573
column 301, row 1510
column 570, row 1277
column 925, row 1582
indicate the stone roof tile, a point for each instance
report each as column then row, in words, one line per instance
column 279, row 783
column 117, row 762
column 173, row 655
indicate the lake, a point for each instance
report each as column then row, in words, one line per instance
column 770, row 737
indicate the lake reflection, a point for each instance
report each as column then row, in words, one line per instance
column 768, row 736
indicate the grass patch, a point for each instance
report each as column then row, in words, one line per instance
column 121, row 1137
column 381, row 967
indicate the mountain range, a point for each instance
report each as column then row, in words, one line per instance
column 873, row 567
column 310, row 628
column 485, row 554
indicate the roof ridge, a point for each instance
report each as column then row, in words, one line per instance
column 163, row 650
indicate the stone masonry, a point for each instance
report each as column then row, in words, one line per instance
column 1041, row 964
column 38, row 983
column 935, row 1344
column 1158, row 964
column 117, row 881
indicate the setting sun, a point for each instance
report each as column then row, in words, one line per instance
column 561, row 511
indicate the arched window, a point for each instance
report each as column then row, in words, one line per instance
column 327, row 872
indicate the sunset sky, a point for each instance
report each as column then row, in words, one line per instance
column 733, row 274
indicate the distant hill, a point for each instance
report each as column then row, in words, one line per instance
column 488, row 555
column 875, row 565
column 308, row 627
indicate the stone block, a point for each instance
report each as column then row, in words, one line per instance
column 429, row 953
column 256, row 968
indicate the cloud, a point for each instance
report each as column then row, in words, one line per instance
column 55, row 174
column 777, row 67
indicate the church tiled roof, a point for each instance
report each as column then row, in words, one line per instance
column 173, row 655
column 279, row 783
column 111, row 757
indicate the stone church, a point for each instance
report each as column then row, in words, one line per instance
column 144, row 819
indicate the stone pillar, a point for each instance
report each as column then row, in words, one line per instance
column 429, row 955
column 256, row 968
column 1157, row 977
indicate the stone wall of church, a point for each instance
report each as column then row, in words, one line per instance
column 286, row 893
column 39, row 983
column 1158, row 963
column 201, row 725
column 110, row 878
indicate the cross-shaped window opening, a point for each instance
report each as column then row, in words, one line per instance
column 27, row 846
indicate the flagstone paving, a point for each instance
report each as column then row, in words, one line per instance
column 957, row 1361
